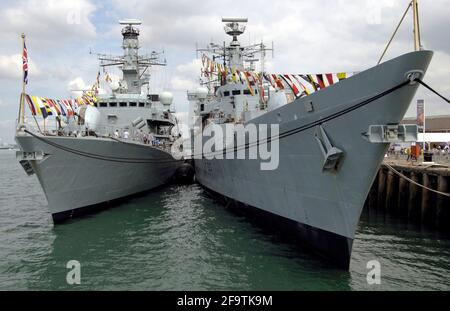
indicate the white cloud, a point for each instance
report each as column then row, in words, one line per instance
column 190, row 69
column 186, row 76
column 49, row 22
column 11, row 67
column 76, row 86
column 182, row 84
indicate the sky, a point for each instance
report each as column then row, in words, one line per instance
column 63, row 37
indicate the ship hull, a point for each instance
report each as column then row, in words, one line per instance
column 323, row 206
column 324, row 244
column 75, row 184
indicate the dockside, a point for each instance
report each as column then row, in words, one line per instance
column 394, row 194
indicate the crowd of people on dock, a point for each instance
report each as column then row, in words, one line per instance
column 412, row 153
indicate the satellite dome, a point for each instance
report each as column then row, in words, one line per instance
column 114, row 85
column 92, row 117
column 166, row 98
column 201, row 92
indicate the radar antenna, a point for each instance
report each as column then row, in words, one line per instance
column 133, row 65
column 235, row 55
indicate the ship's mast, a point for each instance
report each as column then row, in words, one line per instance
column 417, row 44
column 130, row 67
column 416, row 28
column 133, row 65
column 235, row 55
column 234, row 29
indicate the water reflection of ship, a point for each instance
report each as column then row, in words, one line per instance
column 173, row 245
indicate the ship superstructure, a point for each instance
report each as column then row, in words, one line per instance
column 333, row 132
column 112, row 146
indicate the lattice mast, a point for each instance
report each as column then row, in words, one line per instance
column 234, row 55
column 133, row 66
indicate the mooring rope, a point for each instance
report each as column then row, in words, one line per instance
column 433, row 90
column 414, row 182
column 407, row 178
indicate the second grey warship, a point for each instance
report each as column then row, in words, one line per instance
column 333, row 135
column 118, row 146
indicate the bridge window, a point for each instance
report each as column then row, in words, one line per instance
column 153, row 97
column 247, row 92
column 123, row 104
column 236, row 92
column 102, row 104
column 141, row 104
column 112, row 104
column 133, row 104
column 226, row 93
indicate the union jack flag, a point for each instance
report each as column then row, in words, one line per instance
column 25, row 64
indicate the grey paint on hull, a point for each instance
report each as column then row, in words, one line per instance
column 299, row 189
column 72, row 181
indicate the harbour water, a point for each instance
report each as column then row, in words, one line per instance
column 178, row 238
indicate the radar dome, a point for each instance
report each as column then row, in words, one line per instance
column 166, row 98
column 114, row 85
column 91, row 117
column 201, row 92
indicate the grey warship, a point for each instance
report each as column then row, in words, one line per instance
column 117, row 147
column 331, row 143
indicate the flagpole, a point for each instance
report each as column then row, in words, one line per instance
column 22, row 98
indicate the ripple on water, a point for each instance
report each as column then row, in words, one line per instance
column 178, row 238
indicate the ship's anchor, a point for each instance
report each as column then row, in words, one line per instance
column 331, row 154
